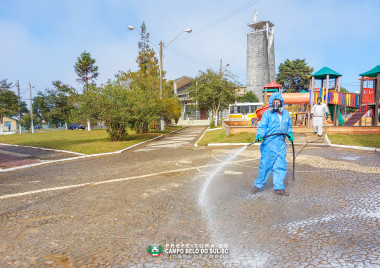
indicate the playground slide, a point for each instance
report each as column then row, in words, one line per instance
column 289, row 98
column 340, row 117
column 294, row 98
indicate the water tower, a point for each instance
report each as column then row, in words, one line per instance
column 261, row 67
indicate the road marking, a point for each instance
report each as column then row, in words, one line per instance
column 112, row 181
column 231, row 172
column 170, row 142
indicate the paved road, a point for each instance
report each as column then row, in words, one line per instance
column 15, row 156
column 106, row 211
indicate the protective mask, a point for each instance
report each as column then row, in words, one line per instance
column 319, row 101
column 276, row 106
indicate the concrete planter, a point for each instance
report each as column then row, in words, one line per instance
column 353, row 130
column 236, row 127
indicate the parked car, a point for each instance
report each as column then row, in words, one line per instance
column 75, row 126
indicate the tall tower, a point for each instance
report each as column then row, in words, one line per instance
column 261, row 68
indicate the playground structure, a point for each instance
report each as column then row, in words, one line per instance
column 299, row 104
column 329, row 90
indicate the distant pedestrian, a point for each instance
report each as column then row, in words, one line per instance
column 318, row 112
column 9, row 128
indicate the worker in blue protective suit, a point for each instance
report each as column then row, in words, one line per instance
column 273, row 148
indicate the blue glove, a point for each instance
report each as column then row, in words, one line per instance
column 311, row 116
column 327, row 116
column 259, row 138
column 291, row 138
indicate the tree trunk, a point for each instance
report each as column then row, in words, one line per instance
column 1, row 124
column 215, row 114
column 88, row 125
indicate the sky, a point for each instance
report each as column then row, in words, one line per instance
column 41, row 40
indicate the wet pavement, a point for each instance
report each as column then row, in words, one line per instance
column 106, row 211
column 14, row 156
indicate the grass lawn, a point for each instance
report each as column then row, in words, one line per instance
column 370, row 140
column 81, row 141
column 219, row 136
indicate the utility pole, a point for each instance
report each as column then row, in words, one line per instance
column 220, row 69
column 31, row 107
column 19, row 107
column 189, row 30
column 162, row 116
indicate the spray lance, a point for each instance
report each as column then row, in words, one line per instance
column 275, row 134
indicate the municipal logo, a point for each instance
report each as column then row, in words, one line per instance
column 155, row 250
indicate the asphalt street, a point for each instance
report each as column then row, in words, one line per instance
column 194, row 205
column 12, row 156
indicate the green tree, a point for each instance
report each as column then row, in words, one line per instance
column 61, row 102
column 133, row 99
column 26, row 121
column 86, row 70
column 249, row 97
column 294, row 75
column 9, row 102
column 110, row 104
column 213, row 91
column 147, row 79
column 24, row 108
column 172, row 109
column 116, row 110
column 4, row 84
column 147, row 61
column 144, row 99
column 41, row 108
column 55, row 105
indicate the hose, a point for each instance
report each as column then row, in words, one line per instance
column 275, row 134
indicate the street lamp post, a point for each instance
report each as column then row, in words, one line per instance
column 131, row 28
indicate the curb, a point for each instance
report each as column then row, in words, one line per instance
column 299, row 143
column 211, row 129
column 196, row 144
column 78, row 157
column 356, row 147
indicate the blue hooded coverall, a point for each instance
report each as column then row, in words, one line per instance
column 273, row 149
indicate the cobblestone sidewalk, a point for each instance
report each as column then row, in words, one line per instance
column 106, row 211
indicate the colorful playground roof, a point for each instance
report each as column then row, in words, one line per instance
column 273, row 84
column 322, row 73
column 372, row 73
column 271, row 89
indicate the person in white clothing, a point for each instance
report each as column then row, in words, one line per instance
column 318, row 112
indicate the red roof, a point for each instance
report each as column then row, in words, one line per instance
column 273, row 84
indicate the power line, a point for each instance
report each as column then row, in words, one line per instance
column 186, row 57
column 238, row 54
column 220, row 20
column 35, row 90
column 209, row 26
